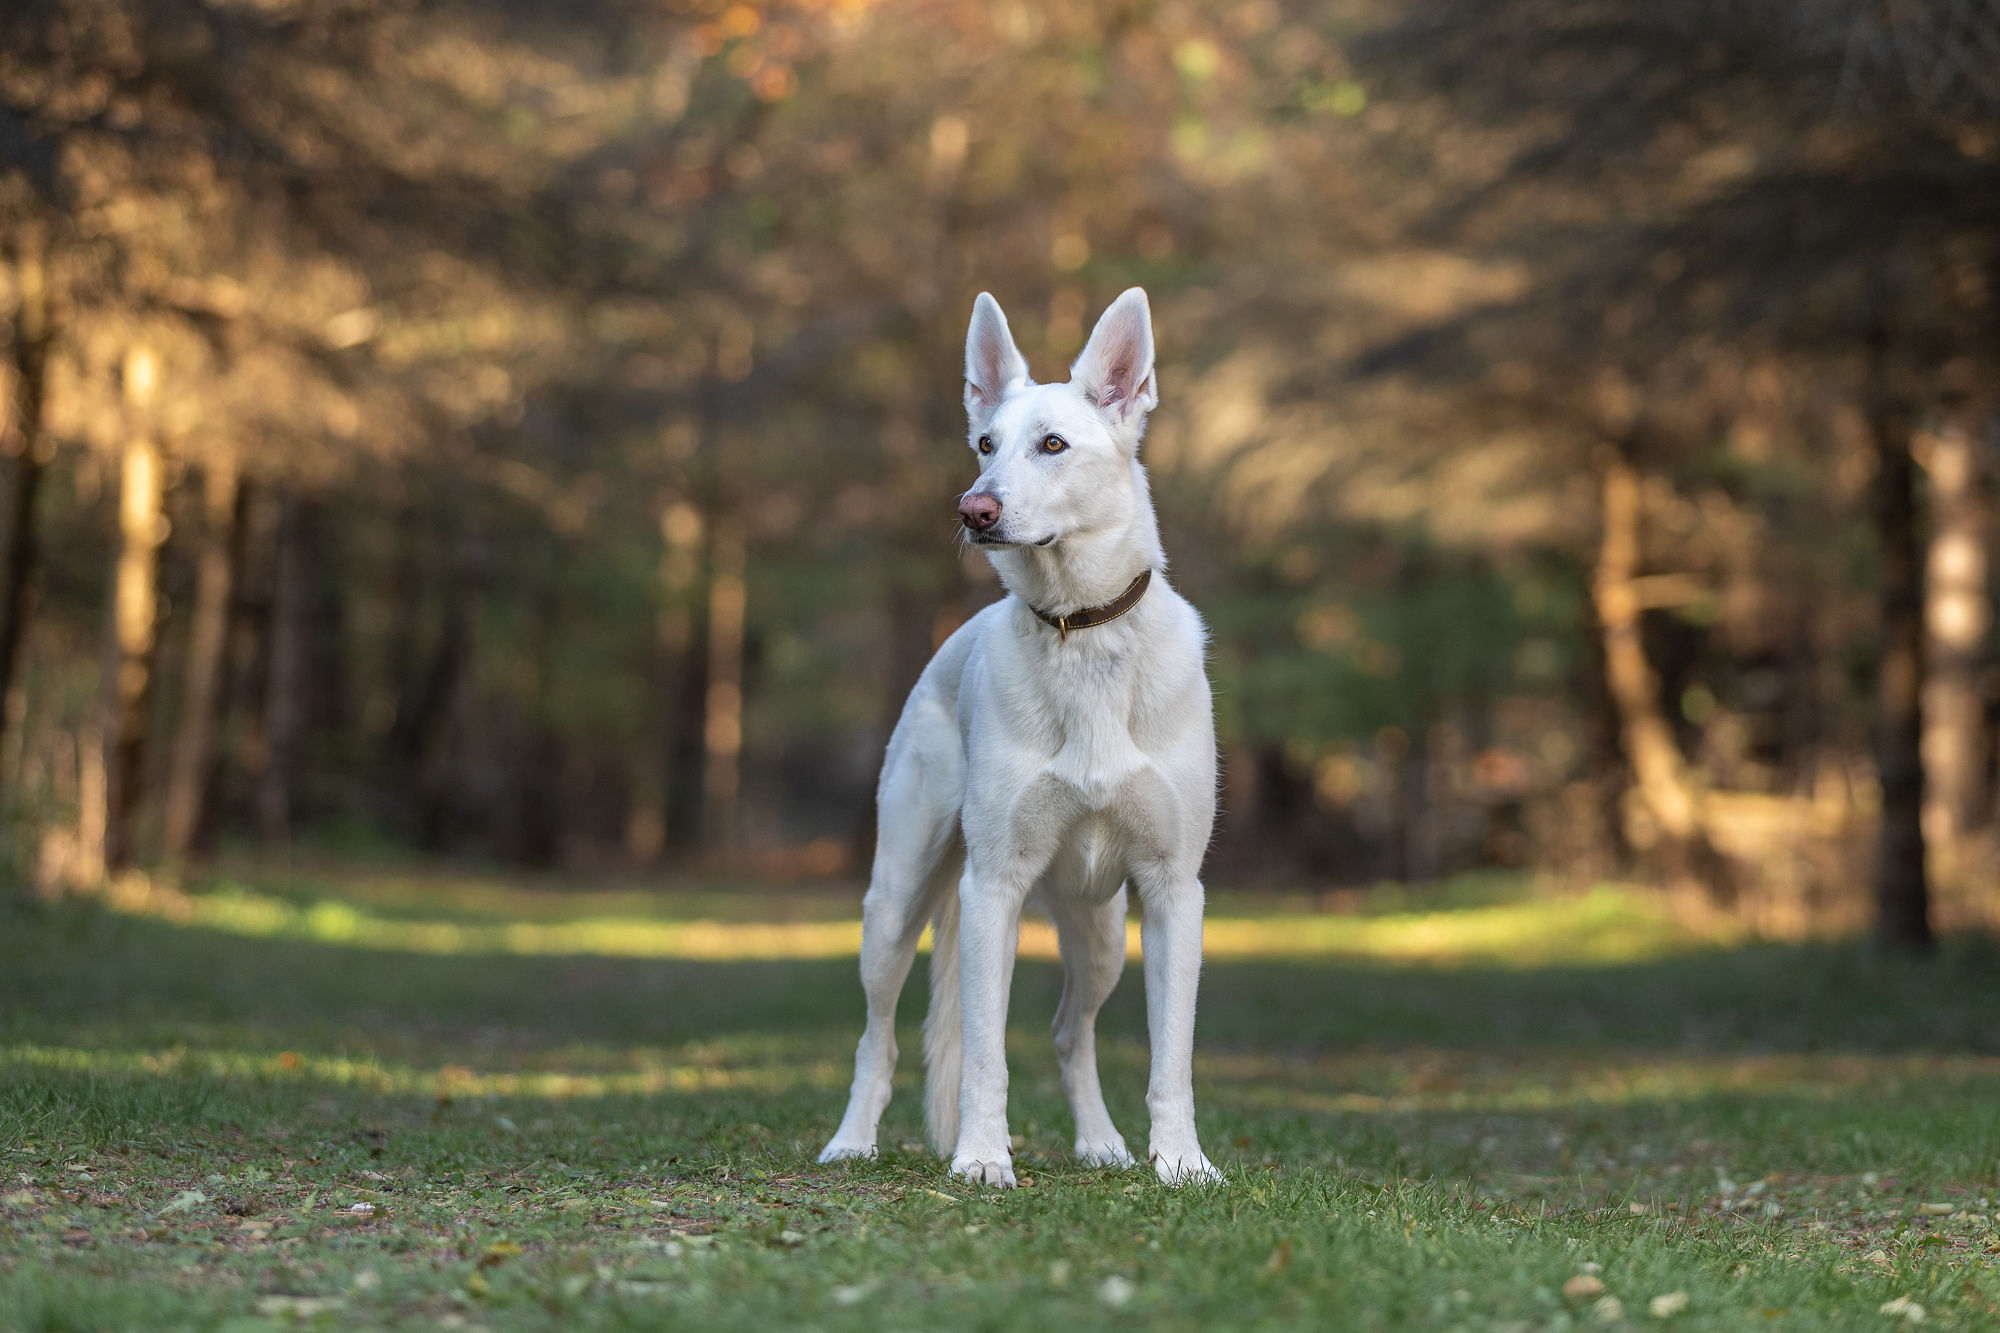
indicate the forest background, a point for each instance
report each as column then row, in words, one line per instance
column 530, row 434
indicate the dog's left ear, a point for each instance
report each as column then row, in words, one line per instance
column 1115, row 368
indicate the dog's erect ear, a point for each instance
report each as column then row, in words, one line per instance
column 993, row 365
column 1115, row 369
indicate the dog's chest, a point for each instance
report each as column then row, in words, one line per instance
column 1092, row 704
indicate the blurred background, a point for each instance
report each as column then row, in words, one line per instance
column 528, row 434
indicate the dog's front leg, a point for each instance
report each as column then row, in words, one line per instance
column 1171, row 933
column 988, row 931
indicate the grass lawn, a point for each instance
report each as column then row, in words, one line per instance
column 369, row 1101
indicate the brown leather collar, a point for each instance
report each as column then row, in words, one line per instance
column 1100, row 615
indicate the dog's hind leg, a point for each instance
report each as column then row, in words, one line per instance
column 915, row 848
column 1093, row 954
column 892, row 921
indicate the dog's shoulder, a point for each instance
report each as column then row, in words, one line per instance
column 947, row 664
column 1177, row 632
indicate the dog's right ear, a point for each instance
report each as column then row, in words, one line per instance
column 993, row 365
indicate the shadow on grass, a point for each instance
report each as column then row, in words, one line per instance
column 74, row 972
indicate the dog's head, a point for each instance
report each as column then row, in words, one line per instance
column 1055, row 460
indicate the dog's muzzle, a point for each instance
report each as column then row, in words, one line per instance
column 978, row 511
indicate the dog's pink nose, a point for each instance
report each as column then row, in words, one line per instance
column 979, row 511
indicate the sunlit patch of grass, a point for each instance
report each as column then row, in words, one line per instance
column 236, row 910
column 1450, row 1082
column 470, row 897
column 647, row 1076
column 1606, row 925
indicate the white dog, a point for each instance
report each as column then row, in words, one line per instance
column 1060, row 746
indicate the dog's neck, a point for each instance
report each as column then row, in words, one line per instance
column 1086, row 569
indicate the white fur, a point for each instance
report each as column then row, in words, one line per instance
column 1033, row 765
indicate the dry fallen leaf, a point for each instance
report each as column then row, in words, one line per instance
column 1667, row 1304
column 304, row 1307
column 499, row 1252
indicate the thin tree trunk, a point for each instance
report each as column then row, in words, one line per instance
column 1956, row 616
column 237, row 690
column 240, row 779
column 1648, row 738
column 1902, row 889
column 325, row 722
column 189, row 777
column 722, row 720
column 658, row 789
column 1607, row 850
column 285, row 681
column 536, row 836
column 421, row 715
column 1392, row 752
column 912, row 614
column 22, row 441
column 423, row 712
column 400, row 662
column 1420, row 858
column 128, row 685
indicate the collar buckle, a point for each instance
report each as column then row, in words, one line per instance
column 1090, row 616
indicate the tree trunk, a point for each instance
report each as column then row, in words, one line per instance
column 426, row 696
column 1955, row 622
column 1902, row 890
column 1605, row 849
column 285, row 679
column 722, row 714
column 914, row 599
column 128, row 683
column 326, row 720
column 1392, row 754
column 22, row 441
column 1421, row 854
column 659, row 790
column 1648, row 738
column 190, row 775
column 239, row 778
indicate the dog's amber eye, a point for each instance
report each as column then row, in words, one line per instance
column 986, row 444
column 1054, row 444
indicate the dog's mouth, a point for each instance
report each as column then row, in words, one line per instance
column 990, row 540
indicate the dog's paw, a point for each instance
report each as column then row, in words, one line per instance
column 1105, row 1152
column 1186, row 1169
column 976, row 1172
column 845, row 1152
